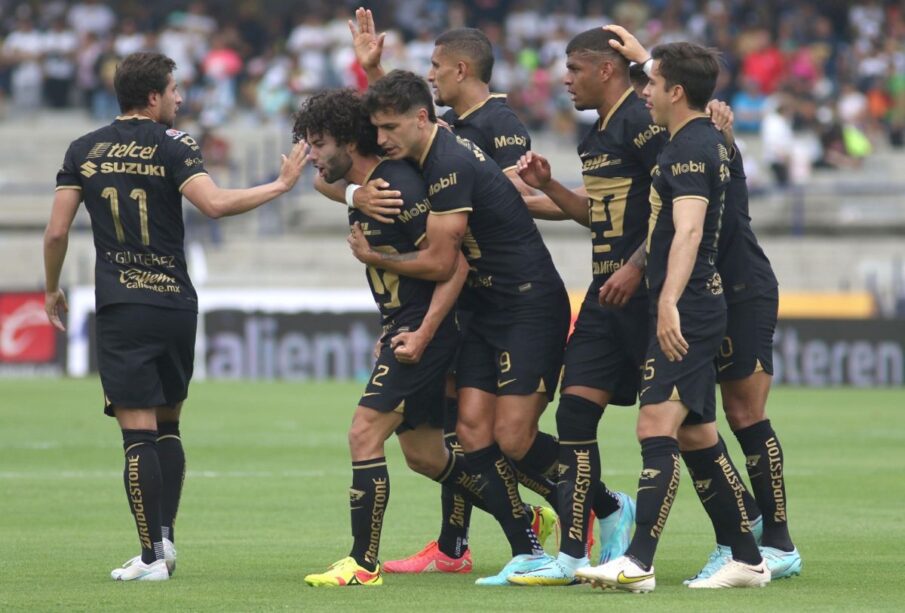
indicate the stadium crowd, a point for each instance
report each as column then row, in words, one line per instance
column 833, row 74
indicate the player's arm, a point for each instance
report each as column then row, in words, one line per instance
column 523, row 188
column 408, row 347
column 722, row 117
column 688, row 219
column 368, row 45
column 216, row 202
column 623, row 283
column 534, row 169
column 375, row 199
column 56, row 242
column 437, row 261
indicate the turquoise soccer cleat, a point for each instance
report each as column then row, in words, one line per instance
column 616, row 529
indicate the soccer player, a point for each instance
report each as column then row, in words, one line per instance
column 406, row 388
column 132, row 175
column 608, row 345
column 461, row 67
column 745, row 361
column 510, row 358
column 688, row 311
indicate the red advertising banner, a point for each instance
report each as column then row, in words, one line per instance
column 27, row 339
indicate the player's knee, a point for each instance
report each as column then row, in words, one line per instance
column 577, row 418
column 694, row 438
column 648, row 427
column 514, row 439
column 423, row 463
column 741, row 415
column 363, row 440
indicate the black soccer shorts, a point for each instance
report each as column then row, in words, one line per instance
column 416, row 391
column 607, row 348
column 517, row 349
column 693, row 380
column 747, row 346
column 145, row 355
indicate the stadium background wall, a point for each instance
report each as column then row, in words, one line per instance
column 329, row 334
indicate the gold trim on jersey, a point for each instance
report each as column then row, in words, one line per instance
column 702, row 198
column 459, row 210
column 75, row 187
column 427, row 149
column 371, row 172
column 125, row 117
column 420, row 239
column 685, row 123
column 194, row 176
column 656, row 203
column 606, row 120
column 480, row 104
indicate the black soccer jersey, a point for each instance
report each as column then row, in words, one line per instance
column 693, row 164
column 617, row 157
column 403, row 301
column 743, row 266
column 131, row 173
column 493, row 126
column 505, row 252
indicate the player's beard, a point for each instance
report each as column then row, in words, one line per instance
column 337, row 167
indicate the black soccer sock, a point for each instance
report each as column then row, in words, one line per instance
column 538, row 469
column 752, row 510
column 657, row 488
column 764, row 462
column 579, row 462
column 142, row 479
column 499, row 490
column 172, row 467
column 368, row 499
column 453, row 539
column 720, row 489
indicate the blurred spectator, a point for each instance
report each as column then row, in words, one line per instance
column 60, row 47
column 749, row 106
column 92, row 16
column 777, row 136
column 128, row 39
column 24, row 49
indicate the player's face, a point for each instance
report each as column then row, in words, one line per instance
column 331, row 160
column 397, row 133
column 657, row 97
column 583, row 82
column 170, row 101
column 442, row 77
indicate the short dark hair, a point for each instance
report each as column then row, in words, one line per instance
column 637, row 75
column 341, row 114
column 400, row 91
column 596, row 41
column 692, row 66
column 474, row 45
column 140, row 74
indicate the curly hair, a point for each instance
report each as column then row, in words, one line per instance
column 400, row 91
column 341, row 114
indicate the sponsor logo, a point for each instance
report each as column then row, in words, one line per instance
column 355, row 495
column 724, row 173
column 500, row 384
column 599, row 161
column 194, row 162
column 189, row 142
column 98, row 150
column 752, row 460
column 642, row 138
column 131, row 150
column 510, row 141
column 175, row 134
column 420, row 207
column 715, row 284
column 703, row 485
column 89, row 169
column 133, row 278
column 131, row 168
column 622, row 579
column 381, row 494
column 26, row 334
column 443, row 183
column 649, row 473
column 680, row 168
column 723, row 152
column 723, row 367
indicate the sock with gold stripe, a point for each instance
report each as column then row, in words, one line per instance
column 142, row 479
column 172, row 467
column 368, row 498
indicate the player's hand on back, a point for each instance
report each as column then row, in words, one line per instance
column 376, row 200
column 630, row 48
column 620, row 287
column 292, row 165
column 722, row 117
column 408, row 347
column 534, row 170
column 368, row 45
column 55, row 305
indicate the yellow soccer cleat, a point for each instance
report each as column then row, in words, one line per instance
column 544, row 522
column 345, row 573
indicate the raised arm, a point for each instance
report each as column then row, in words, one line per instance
column 368, row 45
column 216, row 202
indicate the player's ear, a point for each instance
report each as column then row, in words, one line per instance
column 461, row 71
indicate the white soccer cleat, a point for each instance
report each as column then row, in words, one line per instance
column 735, row 574
column 169, row 556
column 136, row 570
column 623, row 573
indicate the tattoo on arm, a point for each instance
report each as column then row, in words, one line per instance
column 639, row 258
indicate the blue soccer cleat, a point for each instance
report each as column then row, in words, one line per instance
column 717, row 559
column 781, row 563
column 518, row 563
column 547, row 570
column 616, row 529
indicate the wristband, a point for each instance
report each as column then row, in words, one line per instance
column 648, row 66
column 350, row 191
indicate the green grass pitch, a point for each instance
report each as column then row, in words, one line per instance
column 265, row 502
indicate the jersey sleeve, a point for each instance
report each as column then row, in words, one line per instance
column 510, row 140
column 451, row 185
column 182, row 157
column 689, row 172
column 68, row 175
